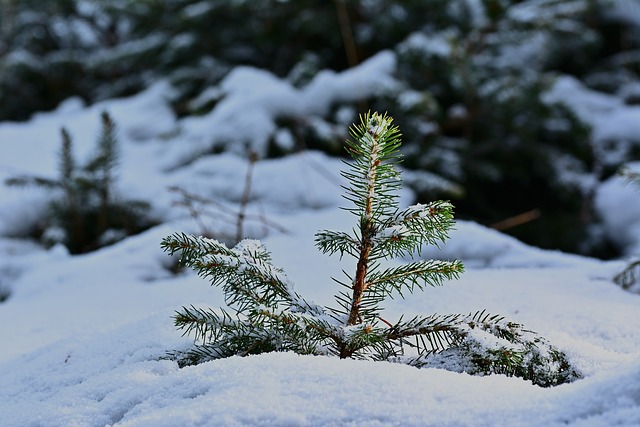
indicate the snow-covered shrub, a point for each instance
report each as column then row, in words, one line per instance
column 266, row 313
column 85, row 214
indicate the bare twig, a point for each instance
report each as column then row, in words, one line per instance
column 246, row 193
column 199, row 206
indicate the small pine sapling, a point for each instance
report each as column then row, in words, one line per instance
column 266, row 314
column 86, row 216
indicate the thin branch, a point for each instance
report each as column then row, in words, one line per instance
column 246, row 193
column 347, row 33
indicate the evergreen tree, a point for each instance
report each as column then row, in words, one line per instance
column 267, row 314
column 87, row 215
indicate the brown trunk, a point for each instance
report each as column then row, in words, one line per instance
column 359, row 284
column 345, row 353
column 366, row 231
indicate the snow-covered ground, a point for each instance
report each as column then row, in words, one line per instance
column 83, row 337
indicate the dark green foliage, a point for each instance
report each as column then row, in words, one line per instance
column 115, row 48
column 265, row 313
column 87, row 214
column 470, row 95
column 514, row 351
column 478, row 117
column 629, row 278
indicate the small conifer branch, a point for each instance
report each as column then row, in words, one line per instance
column 69, row 182
column 191, row 247
column 406, row 232
column 199, row 354
column 105, row 163
column 107, row 155
column 437, row 333
column 36, row 181
column 313, row 326
column 206, row 325
column 431, row 272
column 251, row 281
column 437, row 330
column 67, row 164
column 629, row 278
column 261, row 331
column 337, row 241
column 245, row 272
column 343, row 298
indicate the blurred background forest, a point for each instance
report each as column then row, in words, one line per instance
column 515, row 110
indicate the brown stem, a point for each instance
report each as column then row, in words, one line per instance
column 359, row 284
column 367, row 231
column 345, row 31
column 253, row 157
column 345, row 352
